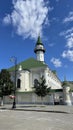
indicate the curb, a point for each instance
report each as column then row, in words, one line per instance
column 52, row 111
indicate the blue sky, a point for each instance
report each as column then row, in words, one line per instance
column 21, row 21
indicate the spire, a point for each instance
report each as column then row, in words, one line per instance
column 39, row 42
column 39, row 50
column 39, row 45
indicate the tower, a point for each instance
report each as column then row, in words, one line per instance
column 39, row 50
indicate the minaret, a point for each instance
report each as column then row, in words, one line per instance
column 39, row 50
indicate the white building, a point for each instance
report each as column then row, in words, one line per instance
column 31, row 69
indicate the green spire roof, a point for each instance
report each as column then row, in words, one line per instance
column 39, row 42
column 28, row 64
column 38, row 47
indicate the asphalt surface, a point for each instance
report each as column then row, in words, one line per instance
column 36, row 117
column 40, row 108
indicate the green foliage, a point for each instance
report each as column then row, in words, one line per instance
column 65, row 83
column 6, row 85
column 41, row 87
column 54, row 72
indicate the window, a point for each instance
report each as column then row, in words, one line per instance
column 18, row 83
column 35, row 81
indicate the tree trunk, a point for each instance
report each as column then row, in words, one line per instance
column 2, row 101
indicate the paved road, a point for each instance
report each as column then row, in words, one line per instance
column 43, row 108
column 34, row 120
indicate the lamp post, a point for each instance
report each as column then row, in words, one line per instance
column 14, row 59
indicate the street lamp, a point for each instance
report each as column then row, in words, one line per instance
column 14, row 59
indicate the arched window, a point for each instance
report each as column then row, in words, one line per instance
column 18, row 83
column 35, row 81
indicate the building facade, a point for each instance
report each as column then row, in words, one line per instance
column 31, row 69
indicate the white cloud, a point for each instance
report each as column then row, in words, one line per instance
column 68, row 34
column 68, row 54
column 51, row 44
column 69, row 18
column 56, row 62
column 70, row 42
column 28, row 17
column 7, row 19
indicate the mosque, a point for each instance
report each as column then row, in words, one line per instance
column 30, row 70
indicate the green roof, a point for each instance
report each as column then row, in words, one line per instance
column 28, row 64
column 39, row 42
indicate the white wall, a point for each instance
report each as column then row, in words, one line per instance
column 51, row 79
column 25, row 81
column 27, row 78
column 40, row 56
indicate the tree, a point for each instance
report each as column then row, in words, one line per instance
column 54, row 72
column 41, row 87
column 6, row 85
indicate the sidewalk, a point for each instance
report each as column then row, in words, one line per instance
column 40, row 108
